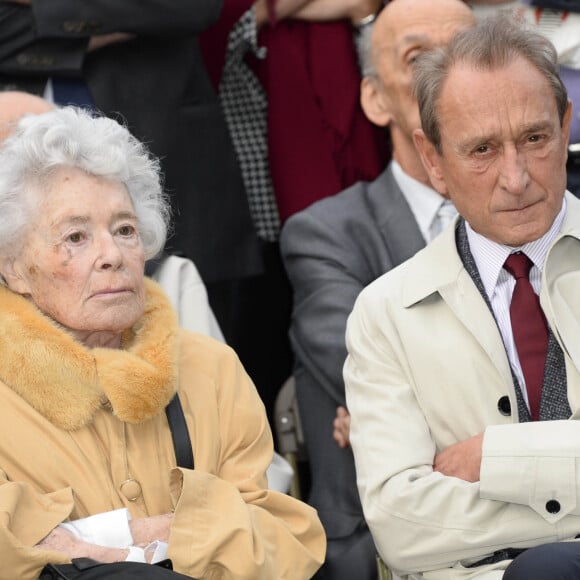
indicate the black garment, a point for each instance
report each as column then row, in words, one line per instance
column 158, row 84
column 254, row 315
column 86, row 569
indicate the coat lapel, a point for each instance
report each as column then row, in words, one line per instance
column 439, row 269
column 560, row 295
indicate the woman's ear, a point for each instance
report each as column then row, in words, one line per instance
column 14, row 280
column 374, row 102
column 431, row 161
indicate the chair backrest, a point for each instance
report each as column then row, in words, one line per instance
column 289, row 431
column 383, row 572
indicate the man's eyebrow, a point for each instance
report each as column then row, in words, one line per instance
column 409, row 38
column 538, row 127
column 470, row 144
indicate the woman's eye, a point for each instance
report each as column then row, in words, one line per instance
column 127, row 230
column 75, row 237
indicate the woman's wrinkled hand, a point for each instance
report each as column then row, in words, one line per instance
column 147, row 530
column 64, row 542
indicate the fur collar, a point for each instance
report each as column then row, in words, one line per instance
column 67, row 382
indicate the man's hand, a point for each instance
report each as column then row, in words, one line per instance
column 282, row 9
column 341, row 433
column 353, row 10
column 103, row 40
column 462, row 460
column 318, row 10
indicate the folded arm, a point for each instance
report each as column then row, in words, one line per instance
column 52, row 38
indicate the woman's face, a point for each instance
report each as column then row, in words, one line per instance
column 82, row 260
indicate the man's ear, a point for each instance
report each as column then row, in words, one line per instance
column 431, row 161
column 13, row 279
column 566, row 122
column 374, row 103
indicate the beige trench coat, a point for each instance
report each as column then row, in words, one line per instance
column 426, row 369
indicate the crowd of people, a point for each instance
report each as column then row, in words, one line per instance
column 377, row 198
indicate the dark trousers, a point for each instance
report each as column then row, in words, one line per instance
column 350, row 558
column 558, row 561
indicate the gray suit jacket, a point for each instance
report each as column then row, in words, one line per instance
column 332, row 250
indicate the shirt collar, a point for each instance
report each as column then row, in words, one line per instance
column 490, row 256
column 422, row 199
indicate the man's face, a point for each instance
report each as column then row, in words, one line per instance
column 503, row 154
column 408, row 29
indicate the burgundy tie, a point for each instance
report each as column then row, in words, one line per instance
column 529, row 329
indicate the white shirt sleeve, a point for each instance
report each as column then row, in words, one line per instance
column 109, row 529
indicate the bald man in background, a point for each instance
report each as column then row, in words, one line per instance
column 15, row 104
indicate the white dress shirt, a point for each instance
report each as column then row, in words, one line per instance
column 422, row 199
column 499, row 284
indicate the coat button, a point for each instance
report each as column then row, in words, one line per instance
column 504, row 406
column 553, row 506
column 131, row 489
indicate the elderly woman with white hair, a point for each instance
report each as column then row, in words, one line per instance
column 91, row 356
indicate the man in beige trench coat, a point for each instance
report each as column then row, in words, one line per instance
column 467, row 455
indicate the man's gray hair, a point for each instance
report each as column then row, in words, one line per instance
column 74, row 138
column 364, row 51
column 493, row 43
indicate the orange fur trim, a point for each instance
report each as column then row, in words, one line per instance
column 67, row 382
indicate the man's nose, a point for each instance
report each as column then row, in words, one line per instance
column 514, row 176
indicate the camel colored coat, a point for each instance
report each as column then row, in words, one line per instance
column 77, row 424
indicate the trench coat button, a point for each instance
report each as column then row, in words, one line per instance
column 553, row 506
column 504, row 406
column 131, row 489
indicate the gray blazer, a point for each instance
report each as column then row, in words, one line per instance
column 332, row 250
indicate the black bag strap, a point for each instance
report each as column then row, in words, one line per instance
column 179, row 433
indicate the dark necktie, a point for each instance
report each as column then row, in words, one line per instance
column 529, row 329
